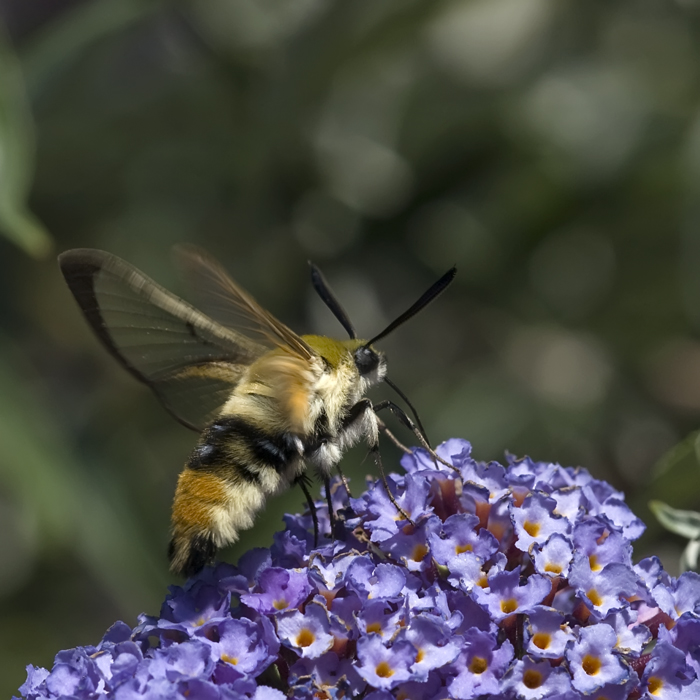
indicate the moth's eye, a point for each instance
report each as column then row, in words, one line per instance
column 366, row 360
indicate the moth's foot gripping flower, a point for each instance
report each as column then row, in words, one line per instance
column 510, row 582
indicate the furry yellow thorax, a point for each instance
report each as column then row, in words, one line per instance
column 331, row 350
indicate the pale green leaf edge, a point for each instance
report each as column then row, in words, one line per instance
column 17, row 157
column 682, row 522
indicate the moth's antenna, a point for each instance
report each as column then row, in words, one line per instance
column 432, row 293
column 330, row 300
column 410, row 405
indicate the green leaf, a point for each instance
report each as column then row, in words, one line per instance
column 685, row 523
column 685, row 456
column 676, row 477
column 17, row 158
column 690, row 556
column 52, row 52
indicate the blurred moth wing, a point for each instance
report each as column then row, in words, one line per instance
column 189, row 361
column 230, row 305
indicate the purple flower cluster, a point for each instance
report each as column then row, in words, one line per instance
column 509, row 582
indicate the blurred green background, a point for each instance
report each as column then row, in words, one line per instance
column 549, row 148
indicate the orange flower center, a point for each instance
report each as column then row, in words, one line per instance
column 591, row 664
column 594, row 597
column 305, row 638
column 542, row 640
column 654, row 685
column 383, row 670
column 478, row 665
column 509, row 606
column 532, row 679
column 419, row 552
column 532, row 529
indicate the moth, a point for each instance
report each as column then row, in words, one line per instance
column 269, row 404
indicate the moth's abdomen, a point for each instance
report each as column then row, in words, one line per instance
column 227, row 480
column 198, row 498
column 208, row 513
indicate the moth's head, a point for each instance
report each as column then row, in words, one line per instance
column 337, row 354
column 370, row 363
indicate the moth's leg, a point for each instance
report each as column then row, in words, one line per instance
column 374, row 449
column 349, row 420
column 343, row 478
column 410, row 405
column 401, row 415
column 382, row 426
column 362, row 410
column 303, row 480
column 324, row 464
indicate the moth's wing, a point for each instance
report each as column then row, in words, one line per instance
column 196, row 394
column 191, row 362
column 232, row 306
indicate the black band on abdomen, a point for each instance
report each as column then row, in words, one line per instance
column 235, row 435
